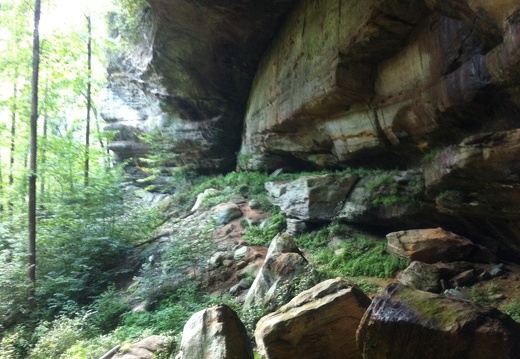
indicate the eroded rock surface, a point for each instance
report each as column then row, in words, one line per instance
column 435, row 245
column 319, row 323
column 344, row 80
column 312, row 198
column 407, row 324
column 215, row 333
column 283, row 262
column 189, row 78
column 426, row 86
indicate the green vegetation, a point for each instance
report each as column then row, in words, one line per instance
column 262, row 236
column 432, row 307
column 385, row 189
column 513, row 308
column 357, row 256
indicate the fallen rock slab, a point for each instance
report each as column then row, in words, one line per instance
column 312, row 198
column 404, row 323
column 435, row 245
column 320, row 322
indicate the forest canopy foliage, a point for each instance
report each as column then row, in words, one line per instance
column 86, row 231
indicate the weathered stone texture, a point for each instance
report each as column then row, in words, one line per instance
column 189, row 78
column 344, row 79
column 431, row 245
column 274, row 282
column 402, row 323
column 312, row 198
column 319, row 323
column 215, row 333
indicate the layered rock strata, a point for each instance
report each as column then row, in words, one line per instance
column 188, row 79
column 347, row 79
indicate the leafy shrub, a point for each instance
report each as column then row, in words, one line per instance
column 14, row 304
column 84, row 245
column 15, row 343
column 90, row 348
column 55, row 338
column 170, row 314
column 251, row 316
column 108, row 310
column 263, row 235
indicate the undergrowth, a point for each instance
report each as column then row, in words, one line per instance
column 354, row 255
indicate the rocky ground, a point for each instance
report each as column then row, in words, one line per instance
column 445, row 269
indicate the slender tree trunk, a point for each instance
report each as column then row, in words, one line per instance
column 45, row 130
column 34, row 147
column 14, row 110
column 89, row 100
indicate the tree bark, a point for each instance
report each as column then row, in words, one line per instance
column 34, row 147
column 14, row 110
column 89, row 98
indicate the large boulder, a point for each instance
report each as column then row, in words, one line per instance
column 392, row 199
column 312, row 198
column 435, row 245
column 318, row 323
column 215, row 333
column 403, row 323
column 283, row 268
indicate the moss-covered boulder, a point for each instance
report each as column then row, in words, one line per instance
column 404, row 323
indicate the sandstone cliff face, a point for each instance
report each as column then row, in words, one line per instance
column 347, row 79
column 190, row 77
column 424, row 85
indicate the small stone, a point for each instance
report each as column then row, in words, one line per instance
column 497, row 271
column 250, row 271
column 226, row 212
column 227, row 263
column 216, row 259
column 465, row 279
column 241, row 264
column 240, row 253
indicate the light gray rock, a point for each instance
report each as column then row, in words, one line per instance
column 312, row 198
column 225, row 213
column 215, row 333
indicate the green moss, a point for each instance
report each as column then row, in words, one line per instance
column 434, row 308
